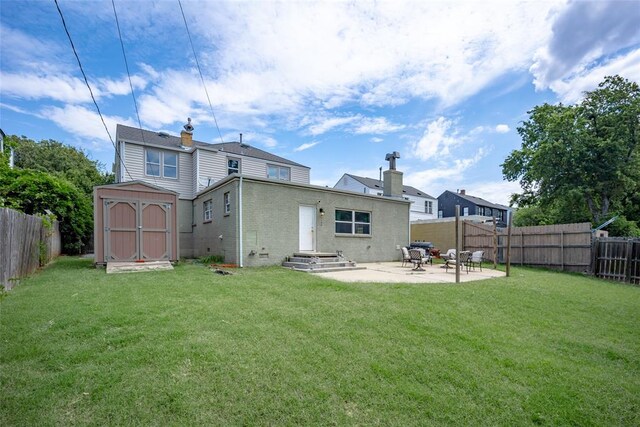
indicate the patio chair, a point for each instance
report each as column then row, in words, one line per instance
column 476, row 259
column 463, row 259
column 406, row 258
column 418, row 258
column 451, row 254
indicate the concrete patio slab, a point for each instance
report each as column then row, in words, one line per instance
column 393, row 272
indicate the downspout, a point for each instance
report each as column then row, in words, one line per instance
column 240, row 264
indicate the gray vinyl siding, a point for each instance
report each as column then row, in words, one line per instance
column 350, row 184
column 300, row 175
column 213, row 167
column 135, row 163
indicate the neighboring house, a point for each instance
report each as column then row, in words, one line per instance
column 423, row 206
column 470, row 205
column 246, row 204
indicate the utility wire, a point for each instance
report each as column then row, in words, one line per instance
column 126, row 64
column 200, row 71
column 86, row 81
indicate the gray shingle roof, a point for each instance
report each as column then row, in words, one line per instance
column 481, row 202
column 142, row 136
column 375, row 183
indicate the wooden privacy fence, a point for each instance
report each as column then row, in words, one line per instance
column 26, row 243
column 617, row 258
column 565, row 247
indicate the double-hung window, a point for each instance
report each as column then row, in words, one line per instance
column 207, row 210
column 233, row 166
column 163, row 164
column 428, row 206
column 353, row 222
column 227, row 203
column 278, row 172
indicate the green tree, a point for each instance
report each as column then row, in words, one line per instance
column 34, row 192
column 582, row 158
column 60, row 160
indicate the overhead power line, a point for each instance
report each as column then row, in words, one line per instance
column 200, row 71
column 86, row 81
column 126, row 64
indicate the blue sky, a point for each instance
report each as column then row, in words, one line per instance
column 332, row 85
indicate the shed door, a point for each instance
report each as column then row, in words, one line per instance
column 155, row 243
column 136, row 230
column 121, row 230
column 307, row 224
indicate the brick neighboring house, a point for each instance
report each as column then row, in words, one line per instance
column 251, row 206
column 471, row 205
column 423, row 206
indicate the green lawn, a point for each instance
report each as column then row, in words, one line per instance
column 270, row 346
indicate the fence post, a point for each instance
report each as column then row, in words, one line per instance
column 495, row 243
column 594, row 256
column 509, row 247
column 627, row 260
column 457, row 243
column 561, row 250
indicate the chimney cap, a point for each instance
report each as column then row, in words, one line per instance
column 188, row 127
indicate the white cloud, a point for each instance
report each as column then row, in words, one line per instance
column 377, row 125
column 446, row 172
column 438, row 138
column 32, row 86
column 502, row 128
column 494, row 191
column 306, row 146
column 376, row 139
column 574, row 60
column 84, row 123
column 572, row 90
column 274, row 58
column 328, row 124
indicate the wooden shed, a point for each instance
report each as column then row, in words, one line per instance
column 135, row 221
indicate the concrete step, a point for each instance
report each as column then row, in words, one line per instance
column 316, row 266
column 313, row 260
column 134, row 267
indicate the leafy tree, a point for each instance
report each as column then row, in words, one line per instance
column 60, row 160
column 583, row 158
column 34, row 192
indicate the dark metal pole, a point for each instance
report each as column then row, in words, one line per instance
column 457, row 243
column 509, row 247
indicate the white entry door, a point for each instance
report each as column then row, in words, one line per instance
column 307, row 221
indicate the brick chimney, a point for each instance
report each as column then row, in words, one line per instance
column 392, row 179
column 186, row 135
column 462, row 192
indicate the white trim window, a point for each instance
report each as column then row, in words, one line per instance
column 160, row 163
column 282, row 173
column 227, row 203
column 353, row 222
column 207, row 210
column 233, row 166
column 428, row 206
column 465, row 211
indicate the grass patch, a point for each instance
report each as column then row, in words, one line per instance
column 272, row 346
